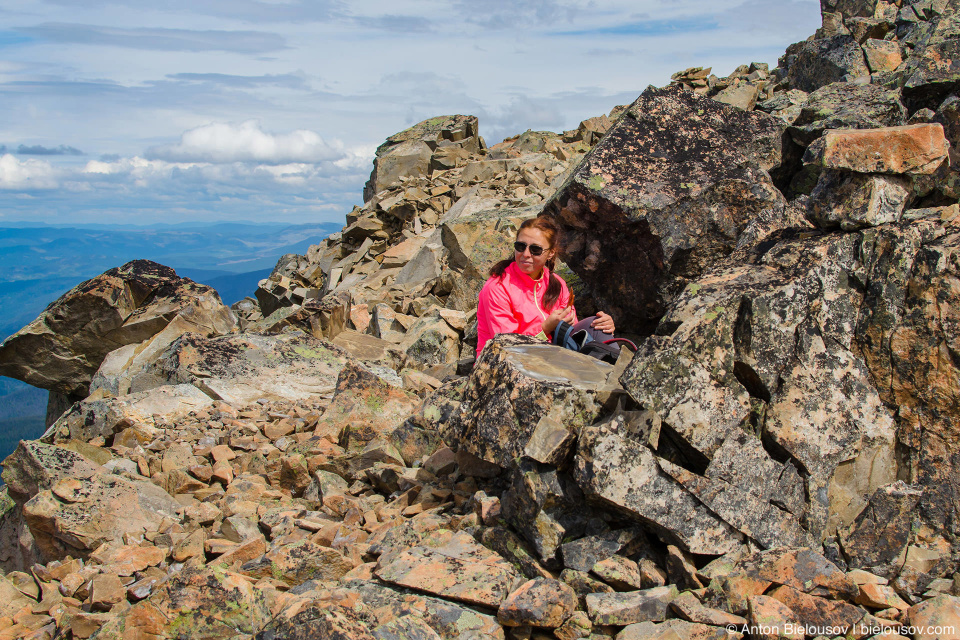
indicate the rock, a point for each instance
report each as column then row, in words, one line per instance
column 880, row 596
column 106, row 590
column 106, row 417
column 767, row 368
column 431, row 341
column 882, row 55
column 451, row 566
column 542, row 602
column 625, row 476
column 815, row 63
column 763, row 522
column 410, row 151
column 629, row 608
column 368, row 348
column 675, row 629
column 937, row 618
column 817, row 612
column 34, row 467
column 196, row 602
column 742, row 96
column 11, row 599
column 332, row 621
column 65, row 345
column 844, row 105
column 620, row 573
column 298, row 562
column 364, row 408
column 97, row 509
column 878, row 538
column 774, row 620
column 323, row 319
column 450, row 621
column 689, row 608
column 928, row 77
column 242, row 368
column 910, row 149
column 658, row 188
column 517, row 381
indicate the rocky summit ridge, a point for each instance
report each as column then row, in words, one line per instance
column 325, row 459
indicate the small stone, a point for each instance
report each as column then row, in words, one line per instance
column 542, row 602
column 577, row 626
column 773, row 619
column 442, row 462
column 880, row 596
column 106, row 590
column 681, row 569
column 628, row 608
column 690, row 608
column 620, row 573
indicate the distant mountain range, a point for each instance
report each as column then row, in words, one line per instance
column 38, row 264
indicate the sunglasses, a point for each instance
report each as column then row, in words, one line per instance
column 535, row 249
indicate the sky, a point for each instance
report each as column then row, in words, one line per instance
column 145, row 112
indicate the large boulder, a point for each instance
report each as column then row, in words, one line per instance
column 768, row 349
column 243, row 368
column 520, row 385
column 664, row 196
column 65, row 345
column 814, row 63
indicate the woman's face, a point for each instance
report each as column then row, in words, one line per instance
column 530, row 264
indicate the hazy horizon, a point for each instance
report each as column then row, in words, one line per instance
column 213, row 111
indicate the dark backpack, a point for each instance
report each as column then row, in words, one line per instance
column 608, row 350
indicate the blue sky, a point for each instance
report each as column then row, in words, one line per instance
column 269, row 110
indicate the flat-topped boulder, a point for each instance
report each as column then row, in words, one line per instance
column 520, row 382
column 65, row 345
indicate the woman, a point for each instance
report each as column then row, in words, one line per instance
column 523, row 295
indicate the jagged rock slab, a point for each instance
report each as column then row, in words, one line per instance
column 105, row 417
column 878, row 538
column 79, row 514
column 649, row 605
column 65, row 345
column 908, row 330
column 624, row 475
column 663, row 196
column 389, row 609
column 852, row 201
column 35, row 467
column 410, row 151
column 845, row 105
column 195, row 603
column 767, row 348
column 817, row 62
column 761, row 521
column 518, row 381
column 452, row 566
column 243, row 368
column 363, row 409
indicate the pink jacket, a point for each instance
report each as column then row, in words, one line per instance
column 513, row 303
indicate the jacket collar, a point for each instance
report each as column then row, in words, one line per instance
column 525, row 281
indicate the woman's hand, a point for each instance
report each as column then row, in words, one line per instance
column 564, row 314
column 604, row 323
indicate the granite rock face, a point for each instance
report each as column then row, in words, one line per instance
column 672, row 185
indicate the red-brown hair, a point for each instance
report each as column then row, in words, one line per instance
column 551, row 231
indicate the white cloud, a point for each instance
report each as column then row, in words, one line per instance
column 222, row 142
column 26, row 174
